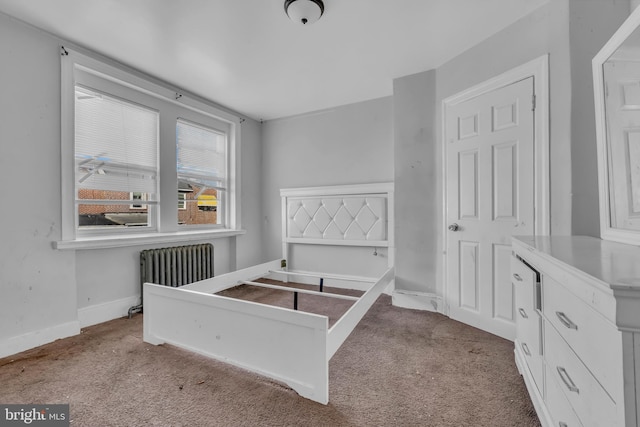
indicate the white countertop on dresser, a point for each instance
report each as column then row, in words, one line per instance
column 616, row 264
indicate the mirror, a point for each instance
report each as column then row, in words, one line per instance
column 616, row 73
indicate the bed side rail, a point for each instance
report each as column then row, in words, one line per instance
column 229, row 280
column 347, row 323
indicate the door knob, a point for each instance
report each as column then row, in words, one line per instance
column 454, row 227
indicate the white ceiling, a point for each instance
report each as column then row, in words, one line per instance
column 248, row 56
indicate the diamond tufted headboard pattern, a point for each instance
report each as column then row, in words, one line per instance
column 341, row 217
column 356, row 215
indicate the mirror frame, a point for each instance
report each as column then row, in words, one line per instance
column 607, row 232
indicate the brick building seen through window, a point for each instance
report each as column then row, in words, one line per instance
column 193, row 208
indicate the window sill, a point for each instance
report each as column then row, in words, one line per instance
column 120, row 241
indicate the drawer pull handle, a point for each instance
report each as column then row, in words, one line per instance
column 566, row 379
column 566, row 321
column 525, row 348
column 563, row 424
column 523, row 313
column 517, row 277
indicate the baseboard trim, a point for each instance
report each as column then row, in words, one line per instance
column 417, row 300
column 99, row 313
column 17, row 344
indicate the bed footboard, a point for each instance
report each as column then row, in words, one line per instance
column 278, row 343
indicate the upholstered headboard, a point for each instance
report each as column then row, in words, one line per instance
column 346, row 215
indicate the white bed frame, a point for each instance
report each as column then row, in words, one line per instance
column 290, row 346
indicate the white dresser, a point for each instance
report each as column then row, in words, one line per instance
column 577, row 302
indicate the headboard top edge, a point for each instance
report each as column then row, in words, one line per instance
column 349, row 189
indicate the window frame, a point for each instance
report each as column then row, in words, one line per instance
column 78, row 68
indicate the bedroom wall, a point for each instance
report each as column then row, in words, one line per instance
column 351, row 144
column 46, row 293
column 417, row 204
column 37, row 284
column 249, row 246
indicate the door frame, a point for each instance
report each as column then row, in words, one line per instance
column 539, row 70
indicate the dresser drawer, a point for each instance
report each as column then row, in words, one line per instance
column 558, row 406
column 534, row 364
column 528, row 321
column 524, row 280
column 592, row 337
column 586, row 396
column 529, row 344
column 528, row 332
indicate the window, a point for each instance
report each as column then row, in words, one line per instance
column 116, row 145
column 201, row 162
column 137, row 196
column 127, row 139
column 182, row 201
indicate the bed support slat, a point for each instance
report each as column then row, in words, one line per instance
column 324, row 276
column 302, row 291
column 229, row 280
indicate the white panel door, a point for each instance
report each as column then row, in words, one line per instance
column 490, row 197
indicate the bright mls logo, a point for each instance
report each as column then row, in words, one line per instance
column 34, row 415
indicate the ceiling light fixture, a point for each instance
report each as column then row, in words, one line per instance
column 304, row 11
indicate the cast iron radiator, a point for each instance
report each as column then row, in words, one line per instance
column 175, row 266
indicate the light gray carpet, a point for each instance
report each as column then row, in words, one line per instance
column 399, row 368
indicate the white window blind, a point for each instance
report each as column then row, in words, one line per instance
column 116, row 144
column 201, row 155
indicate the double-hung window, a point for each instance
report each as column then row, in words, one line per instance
column 116, row 161
column 201, row 165
column 141, row 161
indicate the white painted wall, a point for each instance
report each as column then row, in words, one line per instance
column 47, row 293
column 351, row 144
column 415, row 167
column 38, row 284
column 249, row 246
